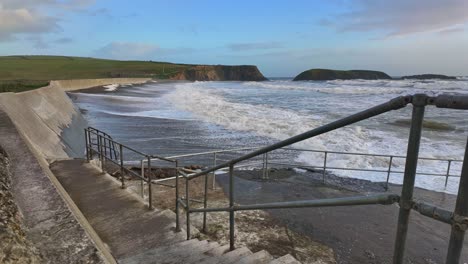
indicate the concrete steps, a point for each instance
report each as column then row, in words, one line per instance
column 137, row 235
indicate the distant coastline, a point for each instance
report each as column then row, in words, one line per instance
column 329, row 74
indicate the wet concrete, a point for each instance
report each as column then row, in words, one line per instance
column 120, row 219
column 358, row 234
column 51, row 225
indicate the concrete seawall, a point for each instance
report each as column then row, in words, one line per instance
column 49, row 120
column 71, row 85
column 37, row 127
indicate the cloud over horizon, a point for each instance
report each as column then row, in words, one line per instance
column 401, row 17
column 27, row 17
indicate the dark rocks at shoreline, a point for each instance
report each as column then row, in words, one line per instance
column 327, row 74
column 428, row 77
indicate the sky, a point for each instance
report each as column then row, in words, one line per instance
column 283, row 38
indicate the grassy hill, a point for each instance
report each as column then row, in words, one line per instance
column 20, row 73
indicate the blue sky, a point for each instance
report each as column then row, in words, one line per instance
column 282, row 38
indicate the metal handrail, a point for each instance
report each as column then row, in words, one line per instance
column 419, row 102
column 393, row 104
column 265, row 162
column 103, row 142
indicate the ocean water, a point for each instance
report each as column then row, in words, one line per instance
column 186, row 117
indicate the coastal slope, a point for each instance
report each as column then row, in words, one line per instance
column 327, row 74
column 21, row 73
column 220, row 73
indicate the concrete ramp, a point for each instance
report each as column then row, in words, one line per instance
column 132, row 232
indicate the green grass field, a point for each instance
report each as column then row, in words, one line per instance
column 21, row 73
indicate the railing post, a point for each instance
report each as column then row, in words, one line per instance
column 324, row 166
column 214, row 172
column 187, row 209
column 388, row 173
column 177, row 197
column 142, row 174
column 105, row 145
column 101, row 157
column 448, row 173
column 87, row 144
column 122, row 176
column 231, row 206
column 205, row 202
column 90, row 145
column 263, row 167
column 150, row 188
column 419, row 103
column 266, row 166
column 460, row 215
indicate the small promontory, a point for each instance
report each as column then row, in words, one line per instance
column 220, row 73
column 429, row 76
column 326, row 74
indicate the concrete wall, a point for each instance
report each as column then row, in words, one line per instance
column 70, row 85
column 49, row 120
column 35, row 127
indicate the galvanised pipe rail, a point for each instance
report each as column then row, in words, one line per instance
column 419, row 104
column 384, row 199
column 460, row 215
column 393, row 104
column 101, row 139
column 459, row 219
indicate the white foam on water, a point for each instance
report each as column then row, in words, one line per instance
column 111, row 87
column 210, row 104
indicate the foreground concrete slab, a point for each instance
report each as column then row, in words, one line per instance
column 52, row 224
column 133, row 233
column 122, row 221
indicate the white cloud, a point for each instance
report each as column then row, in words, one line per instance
column 401, row 17
column 28, row 16
column 15, row 21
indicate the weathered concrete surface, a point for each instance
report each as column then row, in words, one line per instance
column 48, row 119
column 122, row 221
column 71, row 85
column 51, row 223
column 14, row 246
column 133, row 233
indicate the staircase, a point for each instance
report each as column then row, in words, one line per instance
column 134, row 234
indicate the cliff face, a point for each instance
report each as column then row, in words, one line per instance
column 220, row 73
column 429, row 76
column 325, row 74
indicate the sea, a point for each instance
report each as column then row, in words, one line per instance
column 175, row 118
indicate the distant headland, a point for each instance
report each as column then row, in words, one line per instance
column 326, row 74
column 429, row 76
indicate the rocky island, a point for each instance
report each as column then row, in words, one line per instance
column 327, row 74
column 429, row 76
